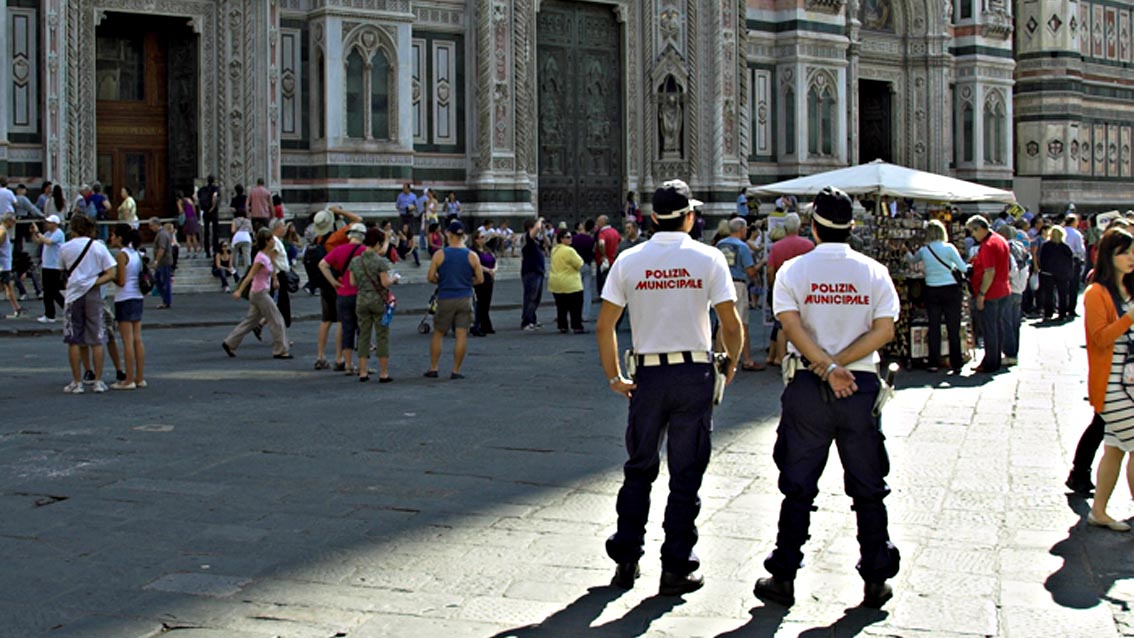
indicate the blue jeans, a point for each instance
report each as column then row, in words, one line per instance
column 1011, row 345
column 533, row 292
column 164, row 279
column 995, row 326
column 588, row 290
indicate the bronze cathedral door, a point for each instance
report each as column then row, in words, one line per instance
column 580, row 111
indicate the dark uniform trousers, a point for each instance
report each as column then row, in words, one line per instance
column 677, row 400
column 810, row 421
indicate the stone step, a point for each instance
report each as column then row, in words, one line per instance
column 195, row 275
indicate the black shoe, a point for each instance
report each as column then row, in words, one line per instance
column 777, row 591
column 1080, row 484
column 874, row 595
column 119, row 375
column 228, row 350
column 259, row 332
column 88, row 377
column 677, row 584
column 625, row 575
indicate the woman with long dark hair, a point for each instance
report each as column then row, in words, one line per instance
column 1109, row 305
column 482, row 324
column 128, row 305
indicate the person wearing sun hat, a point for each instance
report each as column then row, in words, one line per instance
column 668, row 283
column 456, row 270
column 838, row 308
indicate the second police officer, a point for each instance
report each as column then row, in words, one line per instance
column 838, row 308
column 669, row 284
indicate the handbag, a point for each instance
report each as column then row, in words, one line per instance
column 292, row 279
column 1034, row 282
column 958, row 276
column 391, row 300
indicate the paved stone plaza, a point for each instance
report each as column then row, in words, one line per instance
column 252, row 498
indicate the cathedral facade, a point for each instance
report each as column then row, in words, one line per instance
column 559, row 107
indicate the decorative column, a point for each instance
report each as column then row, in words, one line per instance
column 854, row 59
column 940, row 77
column 273, row 96
column 494, row 106
column 54, row 88
column 5, row 88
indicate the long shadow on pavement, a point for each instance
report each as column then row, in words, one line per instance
column 1082, row 583
column 576, row 618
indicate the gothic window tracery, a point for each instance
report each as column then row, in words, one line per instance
column 369, row 78
column 821, row 119
column 995, row 126
column 968, row 133
column 789, row 121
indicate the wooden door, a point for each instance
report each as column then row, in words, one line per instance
column 132, row 113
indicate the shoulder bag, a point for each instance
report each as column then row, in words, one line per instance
column 391, row 300
column 958, row 276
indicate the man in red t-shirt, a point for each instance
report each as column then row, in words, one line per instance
column 789, row 247
column 990, row 290
column 606, row 248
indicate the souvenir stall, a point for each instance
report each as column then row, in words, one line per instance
column 886, row 226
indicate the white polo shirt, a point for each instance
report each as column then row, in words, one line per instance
column 669, row 283
column 838, row 294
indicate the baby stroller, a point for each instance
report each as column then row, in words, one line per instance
column 424, row 326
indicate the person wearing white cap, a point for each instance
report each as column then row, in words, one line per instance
column 669, row 284
column 51, row 241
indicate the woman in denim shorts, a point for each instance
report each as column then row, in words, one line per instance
column 128, row 305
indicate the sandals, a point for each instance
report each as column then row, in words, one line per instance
column 321, row 364
column 752, row 366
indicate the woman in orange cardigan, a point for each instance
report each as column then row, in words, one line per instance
column 1108, row 340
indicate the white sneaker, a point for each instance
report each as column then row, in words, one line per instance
column 99, row 386
column 45, row 319
column 15, row 314
column 531, row 327
column 141, row 384
column 74, row 387
column 122, row 385
column 1010, row 361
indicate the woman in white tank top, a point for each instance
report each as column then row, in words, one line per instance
column 128, row 305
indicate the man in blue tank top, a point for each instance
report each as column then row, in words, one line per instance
column 455, row 270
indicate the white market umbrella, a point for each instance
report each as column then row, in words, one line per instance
column 879, row 178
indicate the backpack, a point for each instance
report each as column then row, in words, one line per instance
column 1019, row 254
column 146, row 281
column 314, row 254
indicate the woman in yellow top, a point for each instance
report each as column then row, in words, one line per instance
column 566, row 282
column 128, row 209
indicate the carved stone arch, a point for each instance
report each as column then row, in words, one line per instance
column 370, row 39
column 823, row 80
column 994, row 98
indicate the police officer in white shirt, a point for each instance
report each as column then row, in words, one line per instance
column 669, row 283
column 838, row 308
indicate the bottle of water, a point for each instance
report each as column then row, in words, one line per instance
column 388, row 316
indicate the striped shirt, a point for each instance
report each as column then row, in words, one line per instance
column 1118, row 410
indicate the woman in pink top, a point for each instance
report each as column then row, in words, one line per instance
column 261, row 306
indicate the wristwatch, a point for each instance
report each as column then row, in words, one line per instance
column 614, row 379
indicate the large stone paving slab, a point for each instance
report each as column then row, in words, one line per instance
column 251, row 497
